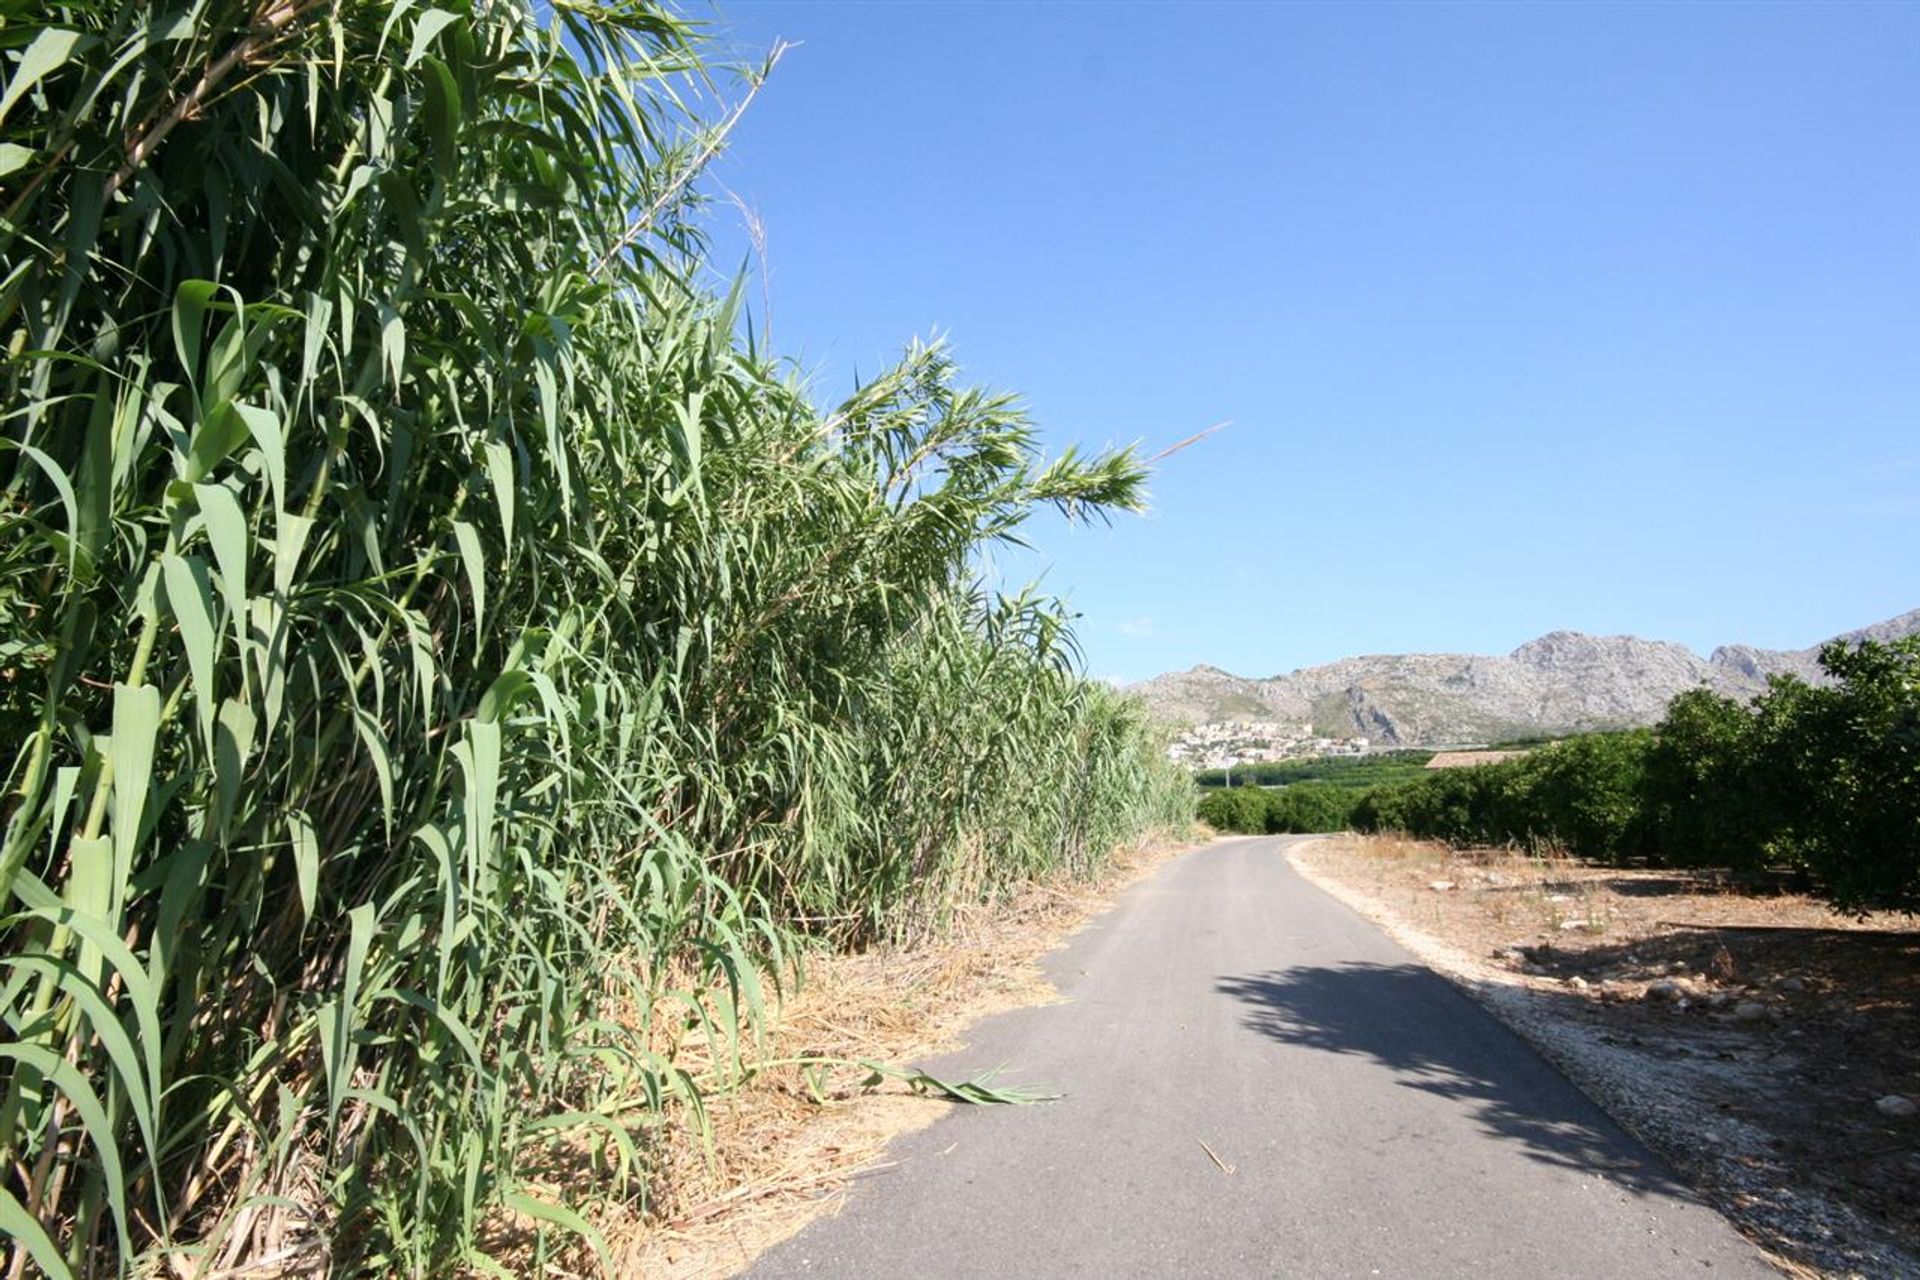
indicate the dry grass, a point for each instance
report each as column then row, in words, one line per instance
column 785, row 1145
column 1513, row 897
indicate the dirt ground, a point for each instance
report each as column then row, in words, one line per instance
column 1765, row 1046
column 785, row 1146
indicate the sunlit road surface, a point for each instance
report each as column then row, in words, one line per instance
column 1257, row 1082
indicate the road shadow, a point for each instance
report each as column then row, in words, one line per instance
column 1869, row 966
column 1437, row 1041
column 1625, row 886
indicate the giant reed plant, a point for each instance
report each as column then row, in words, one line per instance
column 444, row 671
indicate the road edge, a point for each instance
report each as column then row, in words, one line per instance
column 1512, row 1001
column 826, row 1155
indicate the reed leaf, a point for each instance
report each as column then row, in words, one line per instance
column 449, row 677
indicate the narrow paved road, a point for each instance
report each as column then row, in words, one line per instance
column 1376, row 1122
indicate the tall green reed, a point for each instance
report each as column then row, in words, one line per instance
column 445, row 671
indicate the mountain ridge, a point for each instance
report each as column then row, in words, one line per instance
column 1557, row 683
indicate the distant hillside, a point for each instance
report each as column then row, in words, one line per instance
column 1564, row 682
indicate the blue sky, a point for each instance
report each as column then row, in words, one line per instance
column 1524, row 317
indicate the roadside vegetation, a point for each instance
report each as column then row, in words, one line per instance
column 1291, row 796
column 1822, row 781
column 1298, row 808
column 1340, row 771
column 1819, row 781
column 451, row 673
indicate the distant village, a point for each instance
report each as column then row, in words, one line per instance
column 1224, row 744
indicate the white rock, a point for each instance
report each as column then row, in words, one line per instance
column 1577, row 983
column 1897, row 1105
column 1550, row 685
column 1440, row 886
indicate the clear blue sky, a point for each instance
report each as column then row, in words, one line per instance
column 1525, row 317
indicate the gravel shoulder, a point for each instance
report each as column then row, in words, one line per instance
column 1760, row 1044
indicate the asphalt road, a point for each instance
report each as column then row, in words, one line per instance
column 1376, row 1121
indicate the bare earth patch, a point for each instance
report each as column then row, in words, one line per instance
column 781, row 1155
column 1760, row 1043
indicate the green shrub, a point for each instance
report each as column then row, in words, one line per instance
column 1825, row 778
column 1303, row 808
column 1845, row 761
column 1582, row 794
column 1705, row 801
column 1347, row 771
column 1311, row 807
column 1237, row 809
column 1384, row 808
column 1585, row 795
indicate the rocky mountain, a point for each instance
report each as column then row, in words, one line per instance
column 1564, row 682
